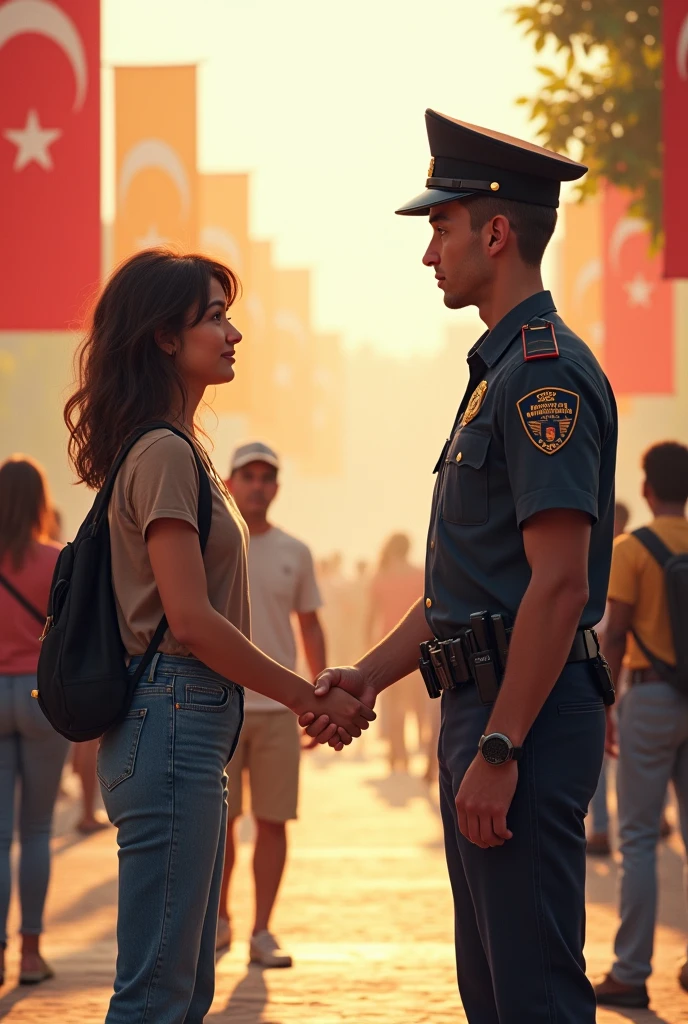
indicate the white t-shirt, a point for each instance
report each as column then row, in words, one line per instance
column 281, row 581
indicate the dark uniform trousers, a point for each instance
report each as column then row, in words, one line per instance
column 520, row 908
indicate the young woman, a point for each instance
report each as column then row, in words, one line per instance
column 31, row 753
column 160, row 337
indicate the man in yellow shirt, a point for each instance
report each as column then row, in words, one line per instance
column 653, row 719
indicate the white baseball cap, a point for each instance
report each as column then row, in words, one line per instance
column 254, row 451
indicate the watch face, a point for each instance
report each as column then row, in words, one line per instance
column 495, row 750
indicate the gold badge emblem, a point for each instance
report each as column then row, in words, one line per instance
column 549, row 417
column 474, row 403
column 431, row 168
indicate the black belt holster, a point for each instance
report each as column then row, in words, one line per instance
column 479, row 655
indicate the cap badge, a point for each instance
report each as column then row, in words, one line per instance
column 474, row 403
column 431, row 168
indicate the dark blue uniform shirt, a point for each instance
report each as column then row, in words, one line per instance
column 531, row 434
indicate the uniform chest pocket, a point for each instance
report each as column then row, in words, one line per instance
column 465, row 494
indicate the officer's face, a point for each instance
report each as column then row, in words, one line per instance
column 254, row 488
column 456, row 255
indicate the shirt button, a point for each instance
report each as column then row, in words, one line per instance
column 459, row 456
column 428, row 602
column 432, row 545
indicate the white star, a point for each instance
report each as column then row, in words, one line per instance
column 151, row 239
column 32, row 143
column 639, row 291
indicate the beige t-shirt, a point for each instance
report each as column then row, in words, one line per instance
column 159, row 480
column 282, row 581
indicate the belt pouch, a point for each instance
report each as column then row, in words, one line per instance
column 485, row 675
column 428, row 672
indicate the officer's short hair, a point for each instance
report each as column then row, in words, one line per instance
column 666, row 470
column 533, row 225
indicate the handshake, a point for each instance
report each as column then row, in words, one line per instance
column 345, row 699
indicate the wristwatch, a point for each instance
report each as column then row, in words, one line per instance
column 497, row 748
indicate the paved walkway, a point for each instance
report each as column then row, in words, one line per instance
column 365, row 909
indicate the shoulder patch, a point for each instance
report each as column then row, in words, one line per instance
column 539, row 340
column 549, row 417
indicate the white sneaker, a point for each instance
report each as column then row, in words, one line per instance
column 265, row 951
column 224, row 934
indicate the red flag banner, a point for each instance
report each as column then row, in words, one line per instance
column 49, row 161
column 638, row 304
column 675, row 136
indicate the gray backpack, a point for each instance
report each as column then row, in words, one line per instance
column 675, row 568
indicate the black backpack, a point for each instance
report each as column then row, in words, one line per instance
column 83, row 684
column 675, row 569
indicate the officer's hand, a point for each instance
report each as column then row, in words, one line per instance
column 611, row 740
column 348, row 678
column 483, row 800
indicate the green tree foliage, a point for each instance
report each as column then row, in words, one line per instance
column 603, row 91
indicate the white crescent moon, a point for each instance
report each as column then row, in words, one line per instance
column 588, row 273
column 214, row 237
column 47, row 19
column 155, row 153
column 682, row 50
column 288, row 322
column 625, row 227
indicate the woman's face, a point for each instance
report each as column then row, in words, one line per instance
column 206, row 353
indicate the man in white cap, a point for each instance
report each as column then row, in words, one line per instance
column 282, row 582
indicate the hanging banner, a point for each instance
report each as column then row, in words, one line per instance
column 223, row 235
column 581, row 272
column 638, row 304
column 155, row 145
column 325, row 455
column 674, row 136
column 292, row 368
column 260, row 338
column 49, row 162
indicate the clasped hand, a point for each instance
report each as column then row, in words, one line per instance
column 333, row 686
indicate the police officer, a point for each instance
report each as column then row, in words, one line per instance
column 518, row 557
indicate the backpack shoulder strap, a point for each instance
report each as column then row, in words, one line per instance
column 26, row 604
column 657, row 548
column 205, row 511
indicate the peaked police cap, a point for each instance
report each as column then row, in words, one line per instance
column 467, row 160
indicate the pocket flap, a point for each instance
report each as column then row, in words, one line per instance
column 469, row 448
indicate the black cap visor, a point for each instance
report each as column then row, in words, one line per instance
column 431, row 197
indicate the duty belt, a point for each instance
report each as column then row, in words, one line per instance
column 479, row 655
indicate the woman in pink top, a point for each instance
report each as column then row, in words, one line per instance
column 397, row 585
column 31, row 753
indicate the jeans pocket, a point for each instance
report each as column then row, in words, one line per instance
column 584, row 707
column 118, row 748
column 205, row 696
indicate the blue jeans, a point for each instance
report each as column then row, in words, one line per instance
column 653, row 748
column 162, row 775
column 31, row 753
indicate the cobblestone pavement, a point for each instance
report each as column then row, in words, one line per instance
column 365, row 910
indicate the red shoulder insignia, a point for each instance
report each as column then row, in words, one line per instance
column 539, row 340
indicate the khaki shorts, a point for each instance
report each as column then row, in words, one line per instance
column 269, row 749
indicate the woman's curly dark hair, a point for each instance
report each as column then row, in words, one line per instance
column 124, row 379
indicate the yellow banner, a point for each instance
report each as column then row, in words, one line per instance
column 325, row 457
column 155, row 157
column 292, row 365
column 223, row 235
column 581, row 264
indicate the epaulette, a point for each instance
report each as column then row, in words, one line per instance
column 539, row 340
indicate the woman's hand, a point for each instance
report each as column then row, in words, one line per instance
column 339, row 717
